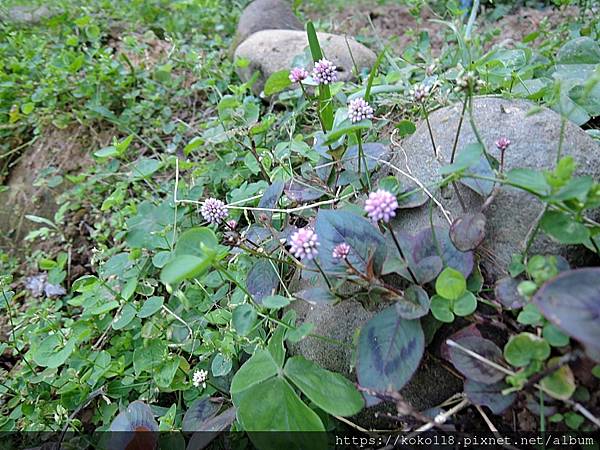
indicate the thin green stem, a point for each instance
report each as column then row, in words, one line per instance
column 324, row 275
column 412, row 275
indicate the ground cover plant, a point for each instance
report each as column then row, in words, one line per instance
column 159, row 293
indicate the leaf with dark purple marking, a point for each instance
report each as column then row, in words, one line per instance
column 473, row 368
column 468, row 231
column 390, row 349
column 364, row 239
column 302, row 192
column 507, row 293
column 211, row 428
column 199, row 411
column 270, row 198
column 426, row 245
column 471, row 330
column 414, row 304
column 489, row 395
column 571, row 301
column 262, row 280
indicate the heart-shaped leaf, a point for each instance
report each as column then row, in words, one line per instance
column 302, row 192
column 364, row 239
column 468, row 231
column 316, row 296
column 428, row 241
column 507, row 293
column 571, row 301
column 390, row 349
column 414, row 304
column 270, row 198
column 199, row 411
column 473, row 368
column 330, row 391
column 262, row 280
column 489, row 395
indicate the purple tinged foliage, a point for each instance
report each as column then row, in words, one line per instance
column 324, row 72
column 214, row 210
column 304, row 244
column 381, row 205
column 38, row 285
column 134, row 428
column 298, row 74
column 341, row 251
column 359, row 109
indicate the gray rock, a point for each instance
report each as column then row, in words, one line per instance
column 431, row 384
column 265, row 15
column 534, row 143
column 270, row 51
column 29, row 14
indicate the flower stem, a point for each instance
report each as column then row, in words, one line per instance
column 412, row 275
column 361, row 160
column 324, row 275
column 460, row 121
column 435, row 153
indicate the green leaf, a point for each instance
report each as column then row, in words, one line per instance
column 530, row 180
column 166, row 372
column 272, row 405
column 465, row 305
column 50, row 352
column 145, row 167
column 451, row 284
column 330, row 391
column 148, row 356
column 277, row 82
column 184, row 267
column 405, row 128
column 220, row 365
column 440, row 308
column 564, row 229
column 561, row 383
column 465, row 158
column 260, row 367
column 346, row 128
column 243, row 318
column 389, row 351
column 150, row 306
column 124, row 318
column 275, row 302
column 525, row 348
column 554, row 336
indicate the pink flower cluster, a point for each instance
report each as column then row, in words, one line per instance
column 298, row 74
column 324, row 72
column 381, row 205
column 214, row 210
column 502, row 143
column 341, row 251
column 359, row 109
column 304, row 243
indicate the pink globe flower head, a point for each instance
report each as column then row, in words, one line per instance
column 420, row 93
column 502, row 143
column 298, row 74
column 232, row 224
column 214, row 210
column 341, row 251
column 304, row 243
column 324, row 72
column 381, row 205
column 359, row 109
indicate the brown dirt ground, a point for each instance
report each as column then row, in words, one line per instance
column 394, row 24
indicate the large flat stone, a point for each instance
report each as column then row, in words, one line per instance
column 265, row 15
column 534, row 144
column 270, row 51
